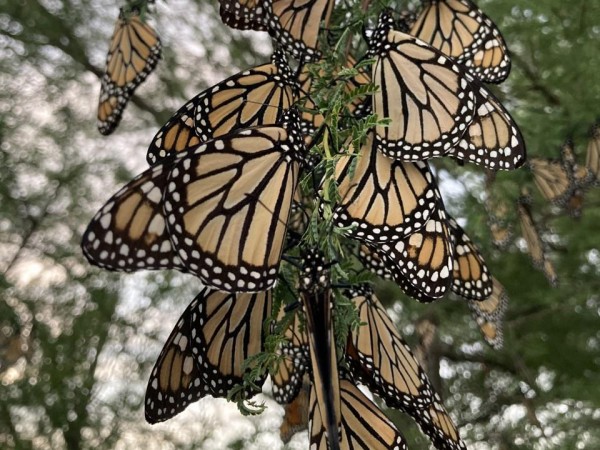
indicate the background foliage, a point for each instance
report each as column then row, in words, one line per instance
column 77, row 343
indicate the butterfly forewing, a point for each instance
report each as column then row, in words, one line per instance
column 129, row 233
column 257, row 96
column 228, row 205
column 384, row 199
column 133, row 54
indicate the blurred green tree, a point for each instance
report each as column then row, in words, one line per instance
column 77, row 343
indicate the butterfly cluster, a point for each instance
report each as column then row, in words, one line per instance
column 258, row 169
column 562, row 183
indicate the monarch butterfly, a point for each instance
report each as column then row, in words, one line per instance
column 499, row 226
column 205, row 352
column 315, row 294
column 363, row 424
column 462, row 31
column 133, row 54
column 552, row 180
column 593, row 151
column 294, row 363
column 218, row 211
column 435, row 107
column 489, row 314
column 535, row 245
column 582, row 177
column 471, row 278
column 386, row 200
column 257, row 96
column 383, row 361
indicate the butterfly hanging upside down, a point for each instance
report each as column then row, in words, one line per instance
column 435, row 106
column 134, row 51
column 218, row 210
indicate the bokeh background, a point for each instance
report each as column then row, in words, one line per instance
column 77, row 343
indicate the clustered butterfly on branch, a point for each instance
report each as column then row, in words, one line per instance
column 325, row 166
column 562, row 183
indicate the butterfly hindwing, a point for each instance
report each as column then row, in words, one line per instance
column 471, row 277
column 175, row 381
column 228, row 329
column 130, row 233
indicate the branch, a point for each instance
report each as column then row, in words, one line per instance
column 535, row 80
column 449, row 352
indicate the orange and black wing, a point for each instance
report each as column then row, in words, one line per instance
column 205, row 353
column 462, row 31
column 471, row 277
column 424, row 259
column 295, row 25
column 218, row 211
column 243, row 14
column 381, row 359
column 382, row 199
column 363, row 424
column 489, row 314
column 254, row 97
